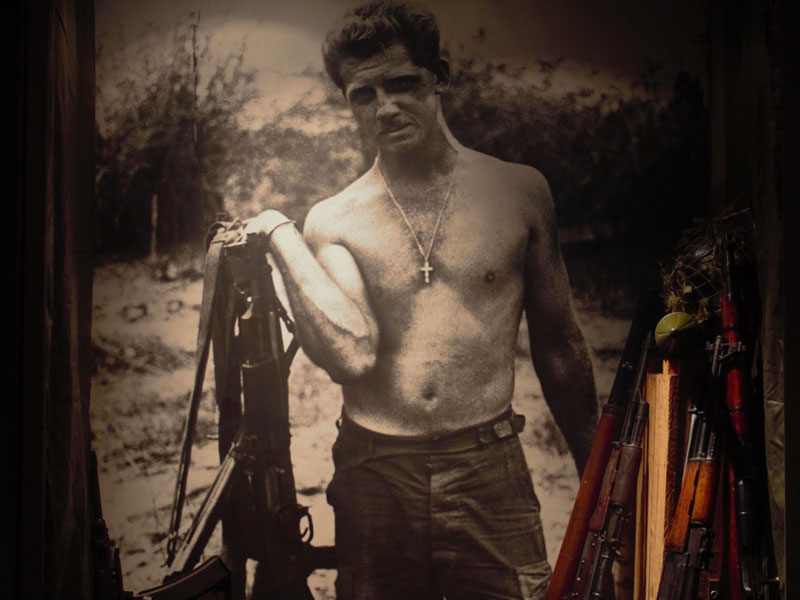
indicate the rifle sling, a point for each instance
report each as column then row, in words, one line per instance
column 210, row 279
column 227, row 389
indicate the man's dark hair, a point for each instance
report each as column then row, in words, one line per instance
column 369, row 29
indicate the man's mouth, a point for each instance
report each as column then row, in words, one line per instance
column 394, row 129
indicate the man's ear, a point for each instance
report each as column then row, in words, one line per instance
column 441, row 75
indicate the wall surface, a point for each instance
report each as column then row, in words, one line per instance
column 56, row 117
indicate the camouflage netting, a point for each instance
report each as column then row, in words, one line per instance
column 692, row 274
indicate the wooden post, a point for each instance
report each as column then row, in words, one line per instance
column 658, row 475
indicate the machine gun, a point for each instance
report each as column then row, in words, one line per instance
column 254, row 491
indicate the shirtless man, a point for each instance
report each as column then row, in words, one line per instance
column 408, row 288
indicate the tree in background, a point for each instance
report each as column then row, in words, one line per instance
column 305, row 154
column 167, row 147
column 627, row 171
column 172, row 153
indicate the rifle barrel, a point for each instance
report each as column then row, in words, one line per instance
column 606, row 434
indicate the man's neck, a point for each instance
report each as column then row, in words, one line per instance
column 433, row 157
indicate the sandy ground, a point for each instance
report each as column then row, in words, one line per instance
column 144, row 334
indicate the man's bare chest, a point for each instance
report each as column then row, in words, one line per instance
column 477, row 243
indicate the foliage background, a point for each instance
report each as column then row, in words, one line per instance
column 628, row 168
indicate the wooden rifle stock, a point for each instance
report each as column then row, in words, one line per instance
column 585, row 501
column 680, row 524
column 610, row 523
column 687, row 547
column 607, row 432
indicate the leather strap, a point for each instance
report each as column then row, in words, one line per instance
column 210, row 279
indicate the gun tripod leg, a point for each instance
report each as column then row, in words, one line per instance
column 237, row 564
column 191, row 547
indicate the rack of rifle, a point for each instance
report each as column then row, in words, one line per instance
column 714, row 547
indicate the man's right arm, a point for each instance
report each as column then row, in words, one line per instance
column 558, row 349
column 335, row 324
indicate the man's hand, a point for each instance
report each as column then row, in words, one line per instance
column 266, row 222
column 335, row 325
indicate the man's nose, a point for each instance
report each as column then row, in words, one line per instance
column 386, row 105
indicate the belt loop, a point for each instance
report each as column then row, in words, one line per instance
column 485, row 434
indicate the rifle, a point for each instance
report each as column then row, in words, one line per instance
column 689, row 542
column 609, row 527
column 607, row 432
column 748, row 574
column 257, row 463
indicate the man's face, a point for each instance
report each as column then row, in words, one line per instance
column 392, row 99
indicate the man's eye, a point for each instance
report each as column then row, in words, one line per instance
column 361, row 96
column 402, row 84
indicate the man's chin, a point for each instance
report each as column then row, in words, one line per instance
column 402, row 145
column 404, row 137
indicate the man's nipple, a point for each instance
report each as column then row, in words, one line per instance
column 489, row 277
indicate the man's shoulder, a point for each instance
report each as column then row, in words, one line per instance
column 331, row 217
column 520, row 177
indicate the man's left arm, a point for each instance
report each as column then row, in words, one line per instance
column 558, row 349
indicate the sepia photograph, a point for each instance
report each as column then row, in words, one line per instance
column 428, row 299
column 564, row 147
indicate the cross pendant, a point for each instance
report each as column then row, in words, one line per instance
column 427, row 270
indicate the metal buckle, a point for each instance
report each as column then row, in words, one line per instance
column 503, row 429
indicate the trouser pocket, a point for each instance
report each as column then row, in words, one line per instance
column 533, row 580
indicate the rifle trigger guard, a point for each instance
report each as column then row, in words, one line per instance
column 307, row 534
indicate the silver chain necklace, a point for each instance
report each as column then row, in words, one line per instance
column 426, row 268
